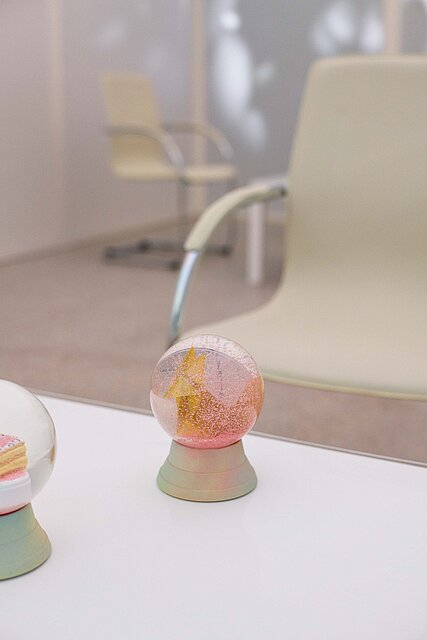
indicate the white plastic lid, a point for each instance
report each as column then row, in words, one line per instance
column 15, row 493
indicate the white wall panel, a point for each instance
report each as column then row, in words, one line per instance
column 31, row 205
column 55, row 183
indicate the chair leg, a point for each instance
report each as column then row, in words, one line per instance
column 150, row 244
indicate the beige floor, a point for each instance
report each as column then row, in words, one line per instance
column 72, row 324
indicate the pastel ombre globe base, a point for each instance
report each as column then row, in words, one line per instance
column 206, row 393
column 27, row 455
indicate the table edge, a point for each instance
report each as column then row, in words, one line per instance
column 258, row 434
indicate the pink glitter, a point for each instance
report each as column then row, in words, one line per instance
column 8, row 442
column 206, row 392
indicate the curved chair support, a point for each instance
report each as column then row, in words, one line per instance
column 196, row 242
column 207, row 131
column 237, row 199
column 167, row 143
column 185, row 276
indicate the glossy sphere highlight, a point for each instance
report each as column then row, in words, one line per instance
column 27, row 446
column 206, row 392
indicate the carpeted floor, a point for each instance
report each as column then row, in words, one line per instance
column 74, row 325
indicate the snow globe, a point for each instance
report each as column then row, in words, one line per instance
column 206, row 393
column 27, row 455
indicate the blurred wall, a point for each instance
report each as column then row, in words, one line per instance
column 55, row 182
column 31, row 197
column 414, row 26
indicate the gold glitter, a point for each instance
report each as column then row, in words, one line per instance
column 206, row 392
column 187, row 389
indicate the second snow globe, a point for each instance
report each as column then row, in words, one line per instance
column 27, row 455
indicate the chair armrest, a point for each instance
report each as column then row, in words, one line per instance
column 166, row 141
column 199, row 236
column 207, row 131
column 236, row 199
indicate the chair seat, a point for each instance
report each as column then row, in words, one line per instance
column 351, row 312
column 313, row 351
column 134, row 169
column 207, row 173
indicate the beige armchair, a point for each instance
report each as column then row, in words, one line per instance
column 350, row 313
column 143, row 149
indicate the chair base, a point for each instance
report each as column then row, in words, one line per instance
column 207, row 475
column 147, row 245
column 24, row 545
column 144, row 246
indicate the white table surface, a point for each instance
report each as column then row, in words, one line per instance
column 329, row 546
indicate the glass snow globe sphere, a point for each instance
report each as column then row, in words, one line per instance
column 27, row 456
column 206, row 393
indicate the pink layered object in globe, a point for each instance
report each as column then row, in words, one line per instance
column 13, row 456
column 13, row 475
column 206, row 392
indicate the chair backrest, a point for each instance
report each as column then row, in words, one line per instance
column 356, row 248
column 130, row 101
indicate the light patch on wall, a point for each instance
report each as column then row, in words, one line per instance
column 372, row 33
column 346, row 26
column 219, row 17
column 334, row 28
column 230, row 20
column 232, row 76
column 235, row 77
column 265, row 72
